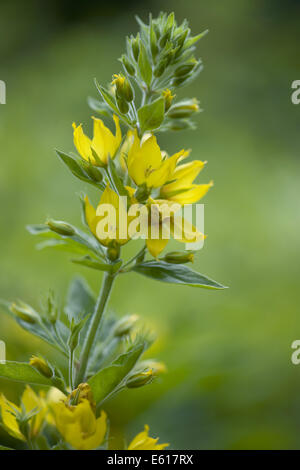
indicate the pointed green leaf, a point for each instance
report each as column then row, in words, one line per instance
column 22, row 372
column 144, row 65
column 80, row 298
column 77, row 170
column 107, row 380
column 151, row 115
column 175, row 274
column 92, row 263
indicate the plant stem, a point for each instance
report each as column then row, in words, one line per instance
column 71, row 368
column 94, row 325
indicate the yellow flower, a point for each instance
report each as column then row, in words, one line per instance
column 164, row 223
column 31, row 402
column 143, row 442
column 181, row 189
column 104, row 143
column 102, row 225
column 79, row 426
column 146, row 164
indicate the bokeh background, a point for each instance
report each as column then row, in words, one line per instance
column 230, row 381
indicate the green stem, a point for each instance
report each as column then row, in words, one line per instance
column 71, row 368
column 94, row 325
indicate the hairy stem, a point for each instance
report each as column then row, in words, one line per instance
column 94, row 325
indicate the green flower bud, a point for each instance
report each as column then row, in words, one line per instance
column 124, row 90
column 123, row 106
column 41, row 366
column 135, row 45
column 160, row 68
column 177, row 81
column 142, row 193
column 177, row 257
column 185, row 69
column 92, row 171
column 24, row 312
column 125, row 325
column 140, row 379
column 61, row 228
column 182, row 38
column 128, row 66
column 113, row 251
column 153, row 43
column 168, row 98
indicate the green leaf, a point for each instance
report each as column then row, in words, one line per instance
column 22, row 372
column 175, row 274
column 144, row 65
column 99, row 107
column 43, row 330
column 80, row 242
column 151, row 115
column 77, row 170
column 80, row 299
column 105, row 382
column 92, row 263
column 5, row 448
column 109, row 100
column 115, row 179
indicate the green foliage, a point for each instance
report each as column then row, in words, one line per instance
column 108, row 380
column 160, row 57
column 23, row 372
column 175, row 274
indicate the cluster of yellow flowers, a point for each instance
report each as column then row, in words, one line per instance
column 73, row 416
column 162, row 180
column 135, row 177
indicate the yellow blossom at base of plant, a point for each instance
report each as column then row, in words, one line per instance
column 144, row 442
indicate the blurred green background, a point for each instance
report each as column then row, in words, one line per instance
column 230, row 381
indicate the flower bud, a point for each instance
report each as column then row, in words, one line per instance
column 182, row 38
column 113, row 251
column 82, row 392
column 184, row 109
column 140, row 379
column 92, row 171
column 124, row 90
column 61, row 228
column 24, row 312
column 123, row 106
column 185, row 69
column 142, row 193
column 160, row 68
column 168, row 98
column 41, row 366
column 135, row 45
column 128, row 66
column 177, row 257
column 125, row 325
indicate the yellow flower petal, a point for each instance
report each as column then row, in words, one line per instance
column 78, row 425
column 82, row 143
column 184, row 175
column 143, row 442
column 155, row 247
column 32, row 401
column 9, row 421
column 164, row 173
column 90, row 215
column 143, row 159
column 194, row 194
column 185, row 232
